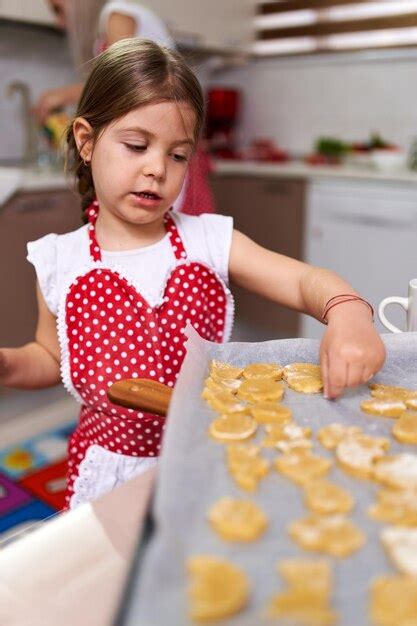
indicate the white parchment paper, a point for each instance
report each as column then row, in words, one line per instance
column 193, row 476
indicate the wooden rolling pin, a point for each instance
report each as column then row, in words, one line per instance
column 141, row 394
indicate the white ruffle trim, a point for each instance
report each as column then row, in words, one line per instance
column 101, row 471
column 153, row 302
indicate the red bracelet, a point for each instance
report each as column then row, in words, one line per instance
column 342, row 298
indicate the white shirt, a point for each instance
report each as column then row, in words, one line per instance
column 58, row 259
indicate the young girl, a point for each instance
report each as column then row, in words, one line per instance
column 115, row 295
column 94, row 25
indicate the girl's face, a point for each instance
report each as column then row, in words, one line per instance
column 139, row 162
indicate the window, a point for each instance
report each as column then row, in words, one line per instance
column 294, row 27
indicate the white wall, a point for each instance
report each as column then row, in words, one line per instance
column 296, row 100
column 33, row 55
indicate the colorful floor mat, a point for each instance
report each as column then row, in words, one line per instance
column 32, row 480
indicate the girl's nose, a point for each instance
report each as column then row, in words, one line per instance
column 155, row 166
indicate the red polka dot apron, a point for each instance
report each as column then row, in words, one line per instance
column 111, row 332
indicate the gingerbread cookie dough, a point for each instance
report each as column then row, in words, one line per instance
column 301, row 465
column 229, row 428
column 224, row 402
column 394, row 601
column 270, row 413
column 303, row 377
column 306, row 601
column 217, row 589
column 237, row 520
column 257, row 390
column 230, row 385
column 398, row 471
column 263, row 370
column 224, row 371
column 401, row 546
column 334, row 535
column 325, row 498
column 246, row 466
column 287, row 436
column 385, row 407
column 405, row 428
column 330, row 436
column 395, row 506
column 358, row 453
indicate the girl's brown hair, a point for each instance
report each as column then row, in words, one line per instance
column 129, row 74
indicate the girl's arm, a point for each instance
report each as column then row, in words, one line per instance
column 351, row 351
column 36, row 364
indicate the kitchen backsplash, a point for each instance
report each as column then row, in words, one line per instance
column 295, row 101
column 291, row 102
column 33, row 55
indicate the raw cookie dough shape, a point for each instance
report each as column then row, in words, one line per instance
column 270, row 413
column 229, row 385
column 263, row 370
column 401, row 546
column 246, row 466
column 384, row 407
column 287, row 436
column 303, row 377
column 334, row 535
column 357, row 454
column 301, row 465
column 306, row 600
column 326, row 498
column 260, row 390
column 217, row 589
column 398, row 471
column 392, row 391
column 229, row 428
column 405, row 428
column 219, row 370
column 237, row 520
column 224, row 402
column 395, row 506
column 393, row 601
column 330, row 436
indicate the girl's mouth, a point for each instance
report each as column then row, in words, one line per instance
column 146, row 199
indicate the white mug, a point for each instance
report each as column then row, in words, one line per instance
column 409, row 304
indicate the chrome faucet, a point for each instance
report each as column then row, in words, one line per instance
column 27, row 119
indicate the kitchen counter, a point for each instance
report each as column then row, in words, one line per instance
column 298, row 170
column 72, row 569
column 14, row 179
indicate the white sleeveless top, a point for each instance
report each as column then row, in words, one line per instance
column 58, row 258
column 148, row 24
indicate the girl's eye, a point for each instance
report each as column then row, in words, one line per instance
column 179, row 157
column 135, row 147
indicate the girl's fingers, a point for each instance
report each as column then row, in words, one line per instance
column 325, row 373
column 337, row 376
column 355, row 374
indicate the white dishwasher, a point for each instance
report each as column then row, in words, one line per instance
column 366, row 231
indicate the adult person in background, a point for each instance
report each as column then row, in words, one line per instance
column 92, row 26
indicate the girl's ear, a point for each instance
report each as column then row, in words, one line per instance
column 83, row 135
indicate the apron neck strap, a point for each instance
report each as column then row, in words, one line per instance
column 174, row 237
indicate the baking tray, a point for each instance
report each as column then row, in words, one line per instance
column 193, row 475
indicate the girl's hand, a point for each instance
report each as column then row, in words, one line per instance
column 4, row 367
column 351, row 350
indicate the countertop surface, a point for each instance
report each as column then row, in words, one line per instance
column 299, row 170
column 14, row 179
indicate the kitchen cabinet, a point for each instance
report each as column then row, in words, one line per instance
column 270, row 211
column 26, row 217
column 366, row 232
column 34, row 11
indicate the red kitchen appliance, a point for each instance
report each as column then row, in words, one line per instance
column 223, row 107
